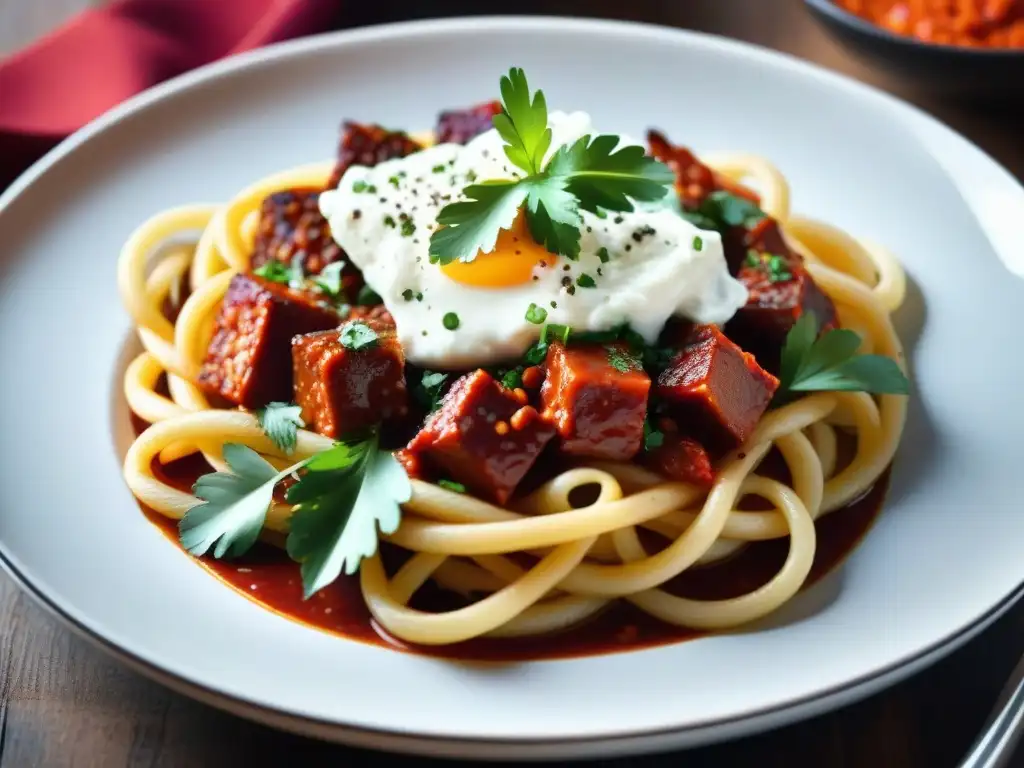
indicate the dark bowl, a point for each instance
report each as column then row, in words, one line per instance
column 947, row 70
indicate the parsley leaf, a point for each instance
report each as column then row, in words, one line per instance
column 357, row 335
column 830, row 363
column 588, row 175
column 346, row 494
column 523, row 123
column 653, row 438
column 329, row 279
column 281, row 423
column 234, row 504
column 430, row 389
column 472, row 226
column 621, row 360
column 274, row 271
column 600, row 178
column 723, row 209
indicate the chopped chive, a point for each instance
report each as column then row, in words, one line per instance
column 359, row 186
column 585, row 281
column 407, row 294
column 393, row 181
column 437, row 169
column 389, row 221
column 602, row 254
column 450, row 321
column 451, row 485
column 698, row 243
column 753, row 258
column 408, row 228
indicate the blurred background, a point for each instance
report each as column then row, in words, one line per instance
column 64, row 703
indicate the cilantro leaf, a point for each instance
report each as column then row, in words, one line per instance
column 347, row 493
column 281, row 423
column 329, row 279
column 523, row 123
column 830, row 363
column 357, row 335
column 472, row 226
column 234, row 504
column 600, row 178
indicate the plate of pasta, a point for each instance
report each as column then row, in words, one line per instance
column 589, row 416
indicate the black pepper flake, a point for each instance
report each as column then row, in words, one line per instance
column 383, row 199
column 554, row 305
column 566, row 268
column 357, row 214
column 618, row 219
column 485, row 153
column 536, row 278
column 599, row 272
column 389, row 221
column 590, row 228
column 628, row 248
column 566, row 281
column 571, row 290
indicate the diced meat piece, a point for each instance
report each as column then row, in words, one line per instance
column 761, row 325
column 458, row 126
column 342, row 389
column 764, row 237
column 682, row 459
column 369, row 145
column 484, row 436
column 376, row 312
column 596, row 396
column 715, row 391
column 248, row 361
column 694, row 180
column 291, row 225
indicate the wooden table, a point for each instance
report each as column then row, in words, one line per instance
column 63, row 703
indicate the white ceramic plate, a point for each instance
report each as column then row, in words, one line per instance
column 943, row 561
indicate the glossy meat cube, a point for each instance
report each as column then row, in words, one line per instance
column 682, row 459
column 596, row 396
column 484, row 436
column 694, row 180
column 715, row 392
column 458, row 126
column 772, row 307
column 291, row 225
column 369, row 145
column 344, row 389
column 248, row 361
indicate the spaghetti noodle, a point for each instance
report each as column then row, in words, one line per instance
column 545, row 563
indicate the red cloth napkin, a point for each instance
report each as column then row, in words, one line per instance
column 103, row 56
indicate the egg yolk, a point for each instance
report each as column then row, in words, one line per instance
column 511, row 262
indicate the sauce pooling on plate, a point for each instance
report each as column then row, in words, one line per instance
column 267, row 577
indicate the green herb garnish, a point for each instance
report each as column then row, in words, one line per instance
column 621, row 360
column 274, row 271
column 329, row 279
column 588, row 175
column 653, row 438
column 536, row 315
column 368, row 297
column 357, row 335
column 429, row 390
column 408, row 228
column 810, row 363
column 586, row 281
column 344, row 495
column 698, row 243
column 281, row 423
column 451, row 485
column 450, row 321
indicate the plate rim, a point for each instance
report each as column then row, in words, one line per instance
column 749, row 720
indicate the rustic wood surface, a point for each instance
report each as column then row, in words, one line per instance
column 64, row 703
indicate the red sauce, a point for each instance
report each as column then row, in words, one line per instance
column 266, row 576
column 971, row 23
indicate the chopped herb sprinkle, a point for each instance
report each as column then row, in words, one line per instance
column 585, row 281
column 393, row 181
column 451, row 485
column 389, row 221
column 437, row 169
column 698, row 243
column 407, row 294
column 602, row 254
column 450, row 321
column 408, row 227
column 359, row 186
column 536, row 315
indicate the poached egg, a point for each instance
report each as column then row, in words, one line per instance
column 639, row 268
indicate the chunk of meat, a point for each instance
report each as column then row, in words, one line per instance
column 484, row 436
column 369, row 145
column 376, row 312
column 765, row 237
column 291, row 225
column 715, row 391
column 683, row 459
column 761, row 325
column 248, row 360
column 342, row 390
column 596, row 396
column 458, row 126
column 694, row 180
